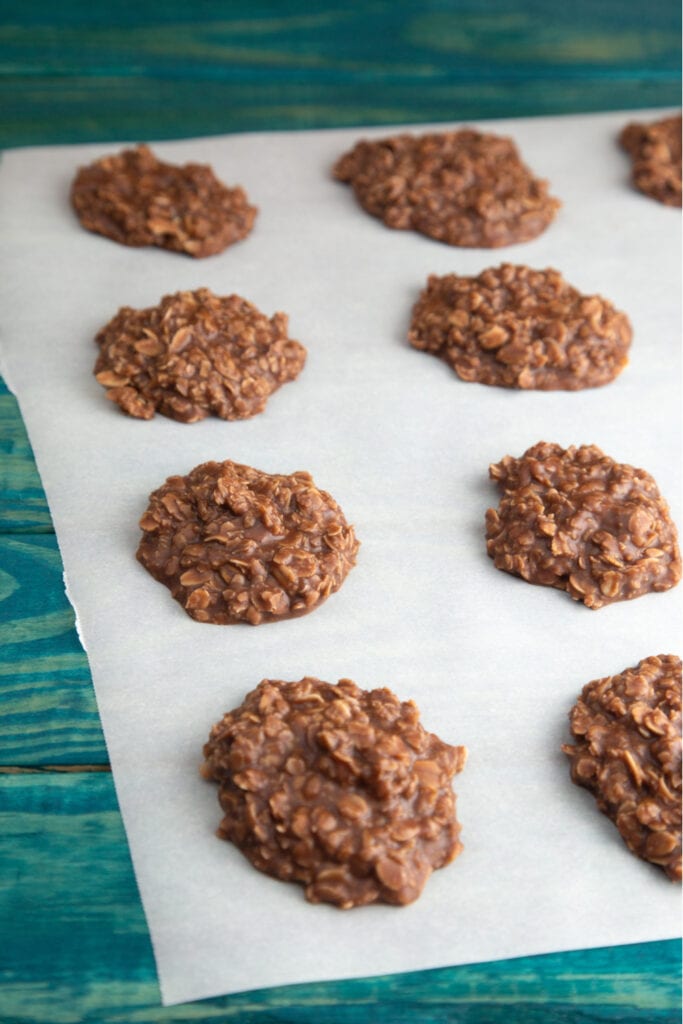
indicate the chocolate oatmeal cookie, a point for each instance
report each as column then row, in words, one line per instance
column 627, row 752
column 514, row 327
column 338, row 788
column 463, row 187
column 577, row 520
column 234, row 544
column 136, row 199
column 196, row 355
column 655, row 151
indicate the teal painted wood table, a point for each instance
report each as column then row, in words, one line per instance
column 74, row 945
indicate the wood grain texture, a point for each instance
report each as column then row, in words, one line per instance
column 75, row 947
column 88, row 959
column 23, row 507
column 49, row 714
column 134, row 71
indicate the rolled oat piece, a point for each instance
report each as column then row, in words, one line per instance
column 577, row 520
column 515, row 327
column 136, row 199
column 627, row 752
column 655, row 151
column 337, row 788
column 194, row 355
column 464, row 188
column 234, row 544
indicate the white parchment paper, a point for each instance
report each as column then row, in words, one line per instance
column 404, row 446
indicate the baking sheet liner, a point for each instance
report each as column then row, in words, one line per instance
column 404, row 446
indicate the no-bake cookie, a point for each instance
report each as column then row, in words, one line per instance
column 577, row 520
column 337, row 788
column 516, row 327
column 655, row 151
column 234, row 544
column 136, row 199
column 465, row 188
column 627, row 752
column 196, row 354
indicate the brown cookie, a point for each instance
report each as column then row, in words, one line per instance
column 514, row 327
column 196, row 355
column 137, row 200
column 463, row 188
column 338, row 788
column 234, row 544
column 655, row 151
column 628, row 753
column 579, row 521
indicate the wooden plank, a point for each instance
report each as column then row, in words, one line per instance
column 23, row 506
column 76, row 949
column 49, row 709
column 147, row 108
column 398, row 38
column 49, row 714
column 134, row 75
